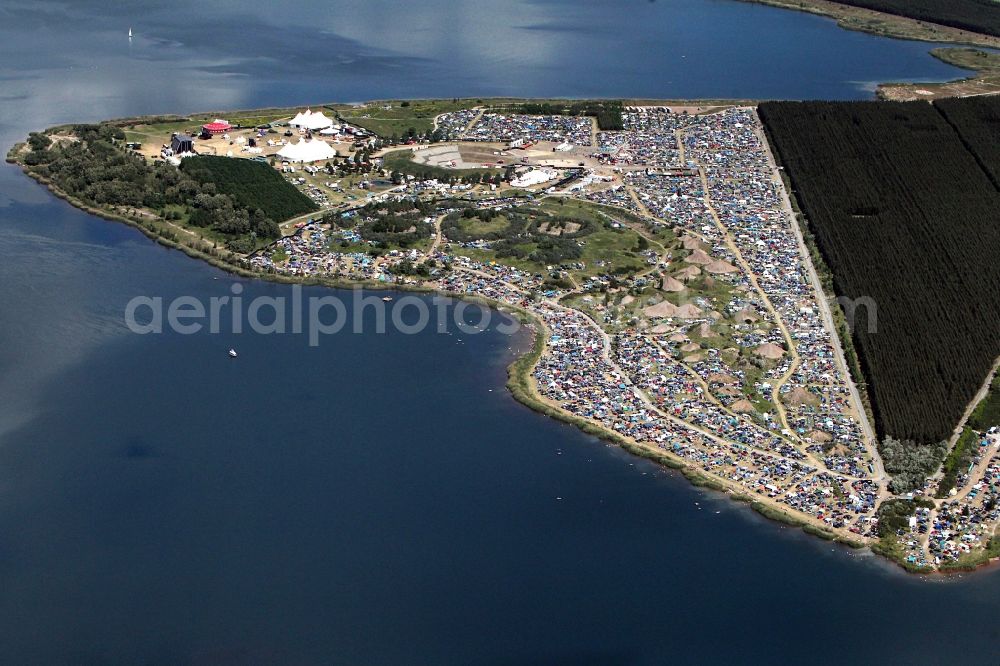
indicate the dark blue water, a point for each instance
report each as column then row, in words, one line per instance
column 381, row 498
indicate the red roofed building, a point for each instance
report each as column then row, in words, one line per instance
column 217, row 126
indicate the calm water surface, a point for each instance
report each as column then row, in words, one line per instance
column 381, row 499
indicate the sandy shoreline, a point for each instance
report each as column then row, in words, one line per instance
column 884, row 24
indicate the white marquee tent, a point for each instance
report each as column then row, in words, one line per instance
column 307, row 151
column 310, row 121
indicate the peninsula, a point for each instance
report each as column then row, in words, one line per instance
column 683, row 307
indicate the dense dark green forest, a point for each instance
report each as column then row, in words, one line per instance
column 904, row 216
column 252, row 185
column 977, row 121
column 975, row 15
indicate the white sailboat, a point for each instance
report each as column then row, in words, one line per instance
column 130, row 33
column 232, row 353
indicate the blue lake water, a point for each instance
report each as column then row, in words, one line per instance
column 380, row 499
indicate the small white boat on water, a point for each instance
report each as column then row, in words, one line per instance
column 232, row 353
column 387, row 298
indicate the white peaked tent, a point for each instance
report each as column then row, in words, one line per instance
column 310, row 121
column 307, row 151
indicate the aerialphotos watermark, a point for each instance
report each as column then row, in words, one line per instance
column 317, row 316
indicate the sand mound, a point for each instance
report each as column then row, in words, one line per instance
column 693, row 358
column 691, row 243
column 801, row 396
column 687, row 273
column 742, row 407
column 769, row 350
column 690, row 347
column 706, row 331
column 670, row 284
column 720, row 267
column 728, row 391
column 820, row 436
column 747, row 315
column 720, row 378
column 689, row 311
column 628, row 300
column 660, row 329
column 662, row 309
column 677, row 337
column 699, row 257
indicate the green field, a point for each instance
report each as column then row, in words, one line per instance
column 609, row 251
column 602, row 249
column 398, row 120
column 478, row 227
column 251, row 185
column 159, row 131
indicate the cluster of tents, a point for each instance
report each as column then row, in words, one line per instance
column 307, row 150
column 310, row 150
column 310, row 121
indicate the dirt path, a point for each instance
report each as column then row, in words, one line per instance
column 827, row 316
column 638, row 202
column 976, row 399
column 472, row 123
column 792, row 352
column 976, row 475
column 679, row 136
column 305, row 217
column 437, row 239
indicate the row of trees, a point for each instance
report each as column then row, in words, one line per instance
column 904, row 216
column 607, row 112
column 987, row 413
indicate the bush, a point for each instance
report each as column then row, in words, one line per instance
column 909, row 463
